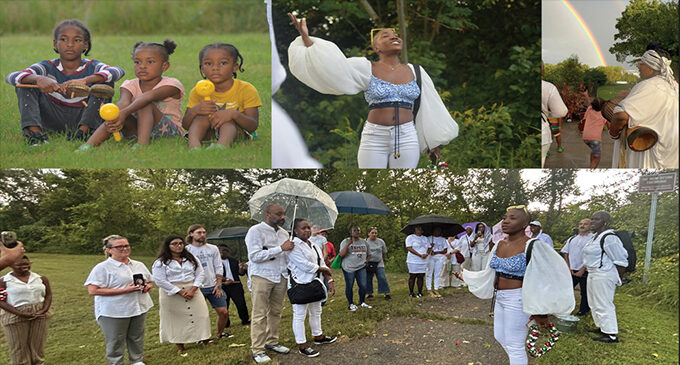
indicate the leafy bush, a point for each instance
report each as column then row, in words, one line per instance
column 662, row 287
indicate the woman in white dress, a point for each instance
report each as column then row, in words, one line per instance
column 184, row 315
column 419, row 250
column 482, row 245
column 394, row 135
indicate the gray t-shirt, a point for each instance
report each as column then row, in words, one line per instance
column 356, row 255
column 376, row 249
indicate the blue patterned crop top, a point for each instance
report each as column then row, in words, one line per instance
column 514, row 265
column 380, row 91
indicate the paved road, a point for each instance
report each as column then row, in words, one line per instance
column 576, row 153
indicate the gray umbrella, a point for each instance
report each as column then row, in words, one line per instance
column 358, row 202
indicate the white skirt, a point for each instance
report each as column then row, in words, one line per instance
column 183, row 321
column 417, row 268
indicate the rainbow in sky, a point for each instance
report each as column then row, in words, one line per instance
column 586, row 29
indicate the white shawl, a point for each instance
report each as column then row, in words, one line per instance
column 324, row 68
column 547, row 286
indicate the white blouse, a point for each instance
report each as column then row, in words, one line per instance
column 20, row 293
column 304, row 261
column 420, row 244
column 164, row 275
column 324, row 68
column 614, row 253
column 547, row 286
column 112, row 274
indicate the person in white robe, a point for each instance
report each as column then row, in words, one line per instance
column 552, row 106
column 481, row 243
column 321, row 65
column 652, row 103
column 531, row 292
column 465, row 247
column 604, row 275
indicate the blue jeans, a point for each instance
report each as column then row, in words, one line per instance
column 383, row 286
column 360, row 276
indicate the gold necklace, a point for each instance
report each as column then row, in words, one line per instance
column 393, row 68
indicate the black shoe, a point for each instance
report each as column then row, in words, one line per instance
column 420, row 295
column 225, row 335
column 412, row 295
column 35, row 138
column 245, row 323
column 596, row 330
column 309, row 352
column 370, row 296
column 388, row 297
column 606, row 339
column 325, row 340
column 79, row 135
column 581, row 314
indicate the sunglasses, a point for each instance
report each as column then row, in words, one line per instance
column 521, row 207
column 176, row 243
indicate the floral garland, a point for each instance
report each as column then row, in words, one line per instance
column 533, row 337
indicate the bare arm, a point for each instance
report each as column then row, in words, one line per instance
column 9, row 255
column 618, row 122
column 48, row 297
column 301, row 27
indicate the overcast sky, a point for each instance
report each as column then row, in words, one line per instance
column 563, row 36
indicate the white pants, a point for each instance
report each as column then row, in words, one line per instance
column 544, row 152
column 601, row 288
column 447, row 279
column 479, row 261
column 509, row 325
column 434, row 268
column 376, row 149
column 299, row 314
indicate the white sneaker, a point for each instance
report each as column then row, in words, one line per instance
column 261, row 358
column 353, row 307
column 278, row 348
column 364, row 305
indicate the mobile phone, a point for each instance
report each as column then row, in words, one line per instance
column 138, row 279
column 9, row 239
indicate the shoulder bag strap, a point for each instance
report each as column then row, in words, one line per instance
column 416, row 103
column 529, row 249
column 602, row 246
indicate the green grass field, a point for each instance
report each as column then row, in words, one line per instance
column 649, row 333
column 607, row 92
column 169, row 153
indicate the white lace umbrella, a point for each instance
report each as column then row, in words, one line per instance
column 300, row 199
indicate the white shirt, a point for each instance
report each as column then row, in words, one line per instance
column 614, row 253
column 440, row 244
column 209, row 257
column 319, row 241
column 420, row 244
column 545, row 238
column 267, row 259
column 227, row 270
column 574, row 247
column 303, row 261
column 464, row 244
column 454, row 245
column 552, row 106
column 112, row 274
column 482, row 243
column 20, row 293
column 164, row 275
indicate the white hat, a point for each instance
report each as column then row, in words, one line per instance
column 536, row 223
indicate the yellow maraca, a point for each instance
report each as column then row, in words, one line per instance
column 205, row 88
column 109, row 112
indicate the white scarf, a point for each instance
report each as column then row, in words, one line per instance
column 662, row 64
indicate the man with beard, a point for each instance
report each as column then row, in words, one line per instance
column 268, row 248
column 209, row 256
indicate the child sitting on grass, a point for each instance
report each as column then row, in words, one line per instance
column 49, row 107
column 233, row 106
column 592, row 130
column 150, row 104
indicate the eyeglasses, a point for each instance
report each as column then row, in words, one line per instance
column 176, row 243
column 377, row 30
column 522, row 207
column 121, row 247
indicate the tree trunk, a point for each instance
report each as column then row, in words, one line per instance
column 402, row 30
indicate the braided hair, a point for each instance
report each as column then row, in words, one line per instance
column 74, row 23
column 229, row 48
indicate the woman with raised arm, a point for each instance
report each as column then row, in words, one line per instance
column 406, row 117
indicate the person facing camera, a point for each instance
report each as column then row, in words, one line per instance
column 232, row 287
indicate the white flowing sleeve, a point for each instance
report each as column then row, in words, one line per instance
column 480, row 283
column 547, row 286
column 324, row 68
column 434, row 124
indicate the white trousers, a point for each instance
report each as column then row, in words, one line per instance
column 376, row 150
column 447, row 279
column 509, row 325
column 434, row 268
column 479, row 261
column 299, row 314
column 601, row 288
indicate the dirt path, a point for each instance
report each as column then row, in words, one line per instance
column 464, row 336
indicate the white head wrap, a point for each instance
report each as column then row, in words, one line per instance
column 662, row 64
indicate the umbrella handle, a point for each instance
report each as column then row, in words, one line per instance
column 292, row 225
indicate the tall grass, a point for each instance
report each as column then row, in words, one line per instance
column 165, row 153
column 136, row 16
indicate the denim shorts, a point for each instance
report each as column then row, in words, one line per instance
column 595, row 147
column 214, row 301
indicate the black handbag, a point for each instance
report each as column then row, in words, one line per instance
column 372, row 267
column 307, row 293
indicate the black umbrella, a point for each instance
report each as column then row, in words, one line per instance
column 428, row 222
column 358, row 202
column 234, row 238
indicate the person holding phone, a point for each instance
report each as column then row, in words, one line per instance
column 25, row 300
column 482, row 245
column 120, row 305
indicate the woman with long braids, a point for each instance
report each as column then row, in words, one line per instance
column 528, row 280
column 394, row 135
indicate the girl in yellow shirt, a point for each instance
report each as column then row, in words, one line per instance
column 233, row 106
